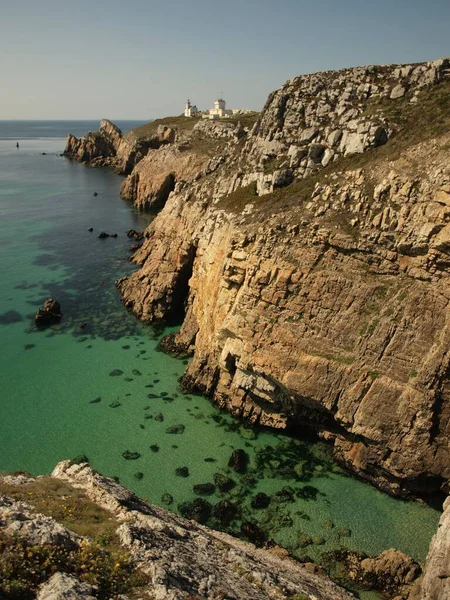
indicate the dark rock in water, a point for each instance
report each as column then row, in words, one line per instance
column 204, row 489
column 344, row 532
column 136, row 372
column 285, row 495
column 162, row 394
column 176, row 428
column 139, row 475
column 182, row 472
column 95, row 194
column 95, row 400
column 80, row 459
column 223, row 483
column 136, row 247
column 307, row 492
column 210, row 460
column 10, row 317
column 225, row 512
column 50, row 313
column 128, row 379
column 167, row 499
column 137, row 235
column 248, row 480
column 239, row 460
column 303, row 539
column 103, row 235
column 159, row 417
column 116, row 373
column 154, row 448
column 168, row 399
column 44, row 153
column 128, row 455
column 126, row 347
column 29, row 346
column 151, row 395
column 91, row 229
column 142, row 426
column 199, row 510
column 253, row 533
column 260, row 501
column 115, row 404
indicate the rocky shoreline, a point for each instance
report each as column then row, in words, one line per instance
column 163, row 555
column 308, row 256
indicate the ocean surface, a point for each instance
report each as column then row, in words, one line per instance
column 96, row 384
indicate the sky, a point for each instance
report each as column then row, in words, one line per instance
column 141, row 59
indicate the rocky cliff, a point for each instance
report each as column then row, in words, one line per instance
column 138, row 549
column 309, row 261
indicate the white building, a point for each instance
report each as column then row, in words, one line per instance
column 219, row 111
column 190, row 110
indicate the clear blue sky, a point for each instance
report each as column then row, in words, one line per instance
column 142, row 58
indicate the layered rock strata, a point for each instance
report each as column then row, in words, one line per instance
column 325, row 305
column 308, row 256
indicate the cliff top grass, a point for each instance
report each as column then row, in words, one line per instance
column 186, row 124
column 99, row 561
column 413, row 123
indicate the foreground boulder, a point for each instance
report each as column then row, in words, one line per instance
column 49, row 314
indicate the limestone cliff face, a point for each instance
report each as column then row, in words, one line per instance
column 326, row 303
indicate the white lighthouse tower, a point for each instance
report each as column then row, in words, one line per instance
column 190, row 110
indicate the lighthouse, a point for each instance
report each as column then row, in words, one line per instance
column 190, row 110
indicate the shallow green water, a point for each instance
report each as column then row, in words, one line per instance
column 48, row 378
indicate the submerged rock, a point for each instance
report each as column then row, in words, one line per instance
column 198, row 510
column 253, row 533
column 223, row 482
column 176, row 429
column 225, row 512
column 239, row 460
column 182, row 472
column 204, row 489
column 260, row 501
column 128, row 455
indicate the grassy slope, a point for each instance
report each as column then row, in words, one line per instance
column 415, row 123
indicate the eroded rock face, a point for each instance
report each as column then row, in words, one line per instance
column 97, row 148
column 154, row 178
column 332, row 312
column 49, row 314
column 436, row 581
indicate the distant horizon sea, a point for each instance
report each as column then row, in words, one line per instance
column 25, row 129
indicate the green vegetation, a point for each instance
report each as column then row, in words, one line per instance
column 147, row 131
column 100, row 560
column 184, row 124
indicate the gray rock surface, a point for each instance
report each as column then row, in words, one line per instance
column 65, row 587
column 186, row 560
column 17, row 519
column 436, row 581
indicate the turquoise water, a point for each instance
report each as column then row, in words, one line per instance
column 50, row 377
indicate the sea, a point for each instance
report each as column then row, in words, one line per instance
column 96, row 384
